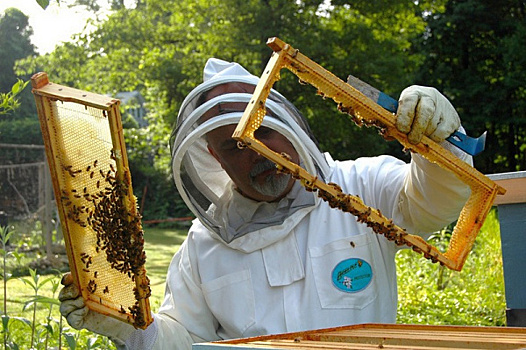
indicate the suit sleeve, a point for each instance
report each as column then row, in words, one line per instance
column 432, row 197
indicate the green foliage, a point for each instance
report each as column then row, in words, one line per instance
column 43, row 3
column 15, row 44
column 46, row 330
column 162, row 46
column 475, row 55
column 149, row 160
column 159, row 48
column 36, row 284
column 23, row 130
column 430, row 294
column 470, row 50
column 9, row 101
column 39, row 292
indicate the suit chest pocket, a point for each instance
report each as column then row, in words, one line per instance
column 344, row 272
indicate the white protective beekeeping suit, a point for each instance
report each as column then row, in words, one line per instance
column 249, row 268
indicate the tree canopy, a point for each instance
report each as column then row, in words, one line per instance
column 475, row 55
column 15, row 44
column 160, row 48
column 470, row 50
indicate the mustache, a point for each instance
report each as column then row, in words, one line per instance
column 262, row 167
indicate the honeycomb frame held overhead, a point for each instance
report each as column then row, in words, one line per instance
column 366, row 112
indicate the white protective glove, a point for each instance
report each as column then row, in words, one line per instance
column 425, row 111
column 74, row 309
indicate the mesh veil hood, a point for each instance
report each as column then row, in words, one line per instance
column 198, row 176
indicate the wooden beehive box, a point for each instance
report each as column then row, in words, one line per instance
column 383, row 336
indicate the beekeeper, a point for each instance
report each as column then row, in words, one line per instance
column 264, row 255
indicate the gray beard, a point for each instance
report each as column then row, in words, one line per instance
column 273, row 186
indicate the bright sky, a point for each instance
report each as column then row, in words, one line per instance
column 51, row 26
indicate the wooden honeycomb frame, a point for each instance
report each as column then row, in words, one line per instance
column 102, row 229
column 366, row 112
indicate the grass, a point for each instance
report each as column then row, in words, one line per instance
column 428, row 294
column 160, row 245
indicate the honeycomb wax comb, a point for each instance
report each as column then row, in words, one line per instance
column 102, row 229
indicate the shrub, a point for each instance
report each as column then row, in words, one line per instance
column 431, row 294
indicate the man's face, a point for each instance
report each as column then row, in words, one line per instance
column 254, row 175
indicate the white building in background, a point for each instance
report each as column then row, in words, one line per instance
column 133, row 104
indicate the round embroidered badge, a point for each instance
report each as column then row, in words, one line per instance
column 352, row 275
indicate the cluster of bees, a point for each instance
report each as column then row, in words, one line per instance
column 308, row 75
column 382, row 130
column 135, row 312
column 344, row 202
column 118, row 231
